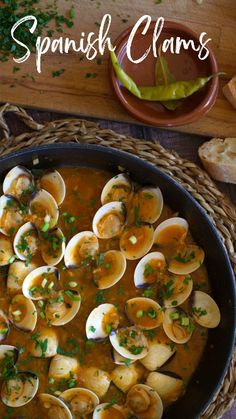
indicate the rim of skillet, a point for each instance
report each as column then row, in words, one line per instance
column 32, row 152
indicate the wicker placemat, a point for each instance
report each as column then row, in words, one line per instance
column 188, row 174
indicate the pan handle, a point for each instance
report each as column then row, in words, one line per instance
column 21, row 114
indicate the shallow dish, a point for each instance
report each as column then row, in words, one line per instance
column 214, row 363
column 184, row 66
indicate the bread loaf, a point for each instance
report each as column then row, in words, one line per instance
column 218, row 156
column 229, row 91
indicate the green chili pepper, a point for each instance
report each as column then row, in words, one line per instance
column 171, row 91
column 163, row 75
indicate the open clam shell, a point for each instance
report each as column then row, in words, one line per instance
column 4, row 326
column 82, row 247
column 20, row 390
column 110, row 270
column 26, row 242
column 205, row 310
column 101, row 321
column 149, row 269
column 54, row 407
column 106, row 411
column 121, row 360
column 41, row 283
column 144, row 312
column 136, row 241
column 19, row 183
column 52, row 244
column 81, row 401
column 177, row 289
column 62, row 367
column 16, row 274
column 187, row 259
column 8, row 358
column 146, row 206
column 144, row 402
column 53, row 183
column 11, row 216
column 177, row 325
column 23, row 313
column 6, row 250
column 63, row 308
column 118, row 188
column 171, row 232
column 44, row 210
column 44, row 343
column 109, row 220
column 129, row 342
column 169, row 388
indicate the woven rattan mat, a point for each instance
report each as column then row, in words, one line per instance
column 189, row 175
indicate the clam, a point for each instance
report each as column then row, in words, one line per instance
column 52, row 244
column 149, row 269
column 144, row 312
column 158, row 354
column 6, row 250
column 205, row 310
column 82, row 247
column 4, row 326
column 63, row 308
column 19, row 183
column 177, row 325
column 81, row 401
column 109, row 220
column 121, row 360
column 169, row 388
column 53, row 183
column 101, row 321
column 16, row 274
column 144, row 402
column 118, row 188
column 129, row 342
column 177, row 289
column 106, row 411
column 136, row 241
column 44, row 343
column 19, row 390
column 187, row 259
column 26, row 242
column 96, row 380
column 146, row 206
column 44, row 210
column 124, row 377
column 171, row 232
column 11, row 216
column 53, row 407
column 23, row 313
column 110, row 270
column 62, row 366
column 41, row 283
column 8, row 358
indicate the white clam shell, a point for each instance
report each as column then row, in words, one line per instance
column 205, row 310
column 150, row 204
column 109, row 220
column 169, row 388
column 26, row 243
column 177, row 330
column 53, row 183
column 62, row 312
column 4, row 326
column 129, row 342
column 111, row 271
column 44, row 209
column 144, row 312
column 171, row 231
column 18, row 181
column 16, row 274
column 49, row 335
column 37, row 284
column 102, row 317
column 136, row 401
column 11, row 217
column 82, row 246
column 54, row 405
column 20, row 390
column 187, row 260
column 62, row 366
column 53, row 246
column 23, row 313
column 143, row 277
column 181, row 287
column 6, row 250
column 81, row 401
column 117, row 188
column 135, row 242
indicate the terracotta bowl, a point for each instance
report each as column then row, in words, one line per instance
column 184, row 66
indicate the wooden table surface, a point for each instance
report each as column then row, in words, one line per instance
column 185, row 144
